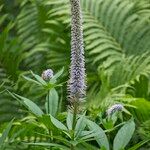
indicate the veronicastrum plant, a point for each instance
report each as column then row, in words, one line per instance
column 73, row 129
column 61, row 135
column 48, row 83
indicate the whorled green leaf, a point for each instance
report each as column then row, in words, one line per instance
column 69, row 120
column 57, row 75
column 80, row 126
column 39, row 79
column 124, row 135
column 99, row 134
column 52, row 102
column 31, row 106
column 58, row 124
column 31, row 80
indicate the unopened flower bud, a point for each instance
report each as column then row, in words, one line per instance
column 114, row 108
column 47, row 74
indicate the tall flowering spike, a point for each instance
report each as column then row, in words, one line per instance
column 76, row 85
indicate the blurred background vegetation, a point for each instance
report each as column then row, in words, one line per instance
column 35, row 35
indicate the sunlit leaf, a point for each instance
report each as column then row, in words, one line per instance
column 124, row 135
column 52, row 102
column 100, row 135
column 58, row 124
column 29, row 104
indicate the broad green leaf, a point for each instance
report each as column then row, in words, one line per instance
column 57, row 75
column 30, row 105
column 5, row 133
column 31, row 80
column 39, row 79
column 80, row 126
column 100, row 135
column 124, row 135
column 87, row 135
column 69, row 120
column 58, row 124
column 52, row 102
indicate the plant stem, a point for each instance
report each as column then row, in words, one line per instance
column 60, row 102
column 74, row 116
column 75, row 105
column 50, row 132
column 48, row 102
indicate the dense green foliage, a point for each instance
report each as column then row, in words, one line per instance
column 35, row 35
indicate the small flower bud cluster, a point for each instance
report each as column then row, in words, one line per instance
column 47, row 74
column 114, row 108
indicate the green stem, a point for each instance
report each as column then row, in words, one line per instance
column 60, row 102
column 48, row 102
column 50, row 132
column 74, row 116
column 74, row 123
